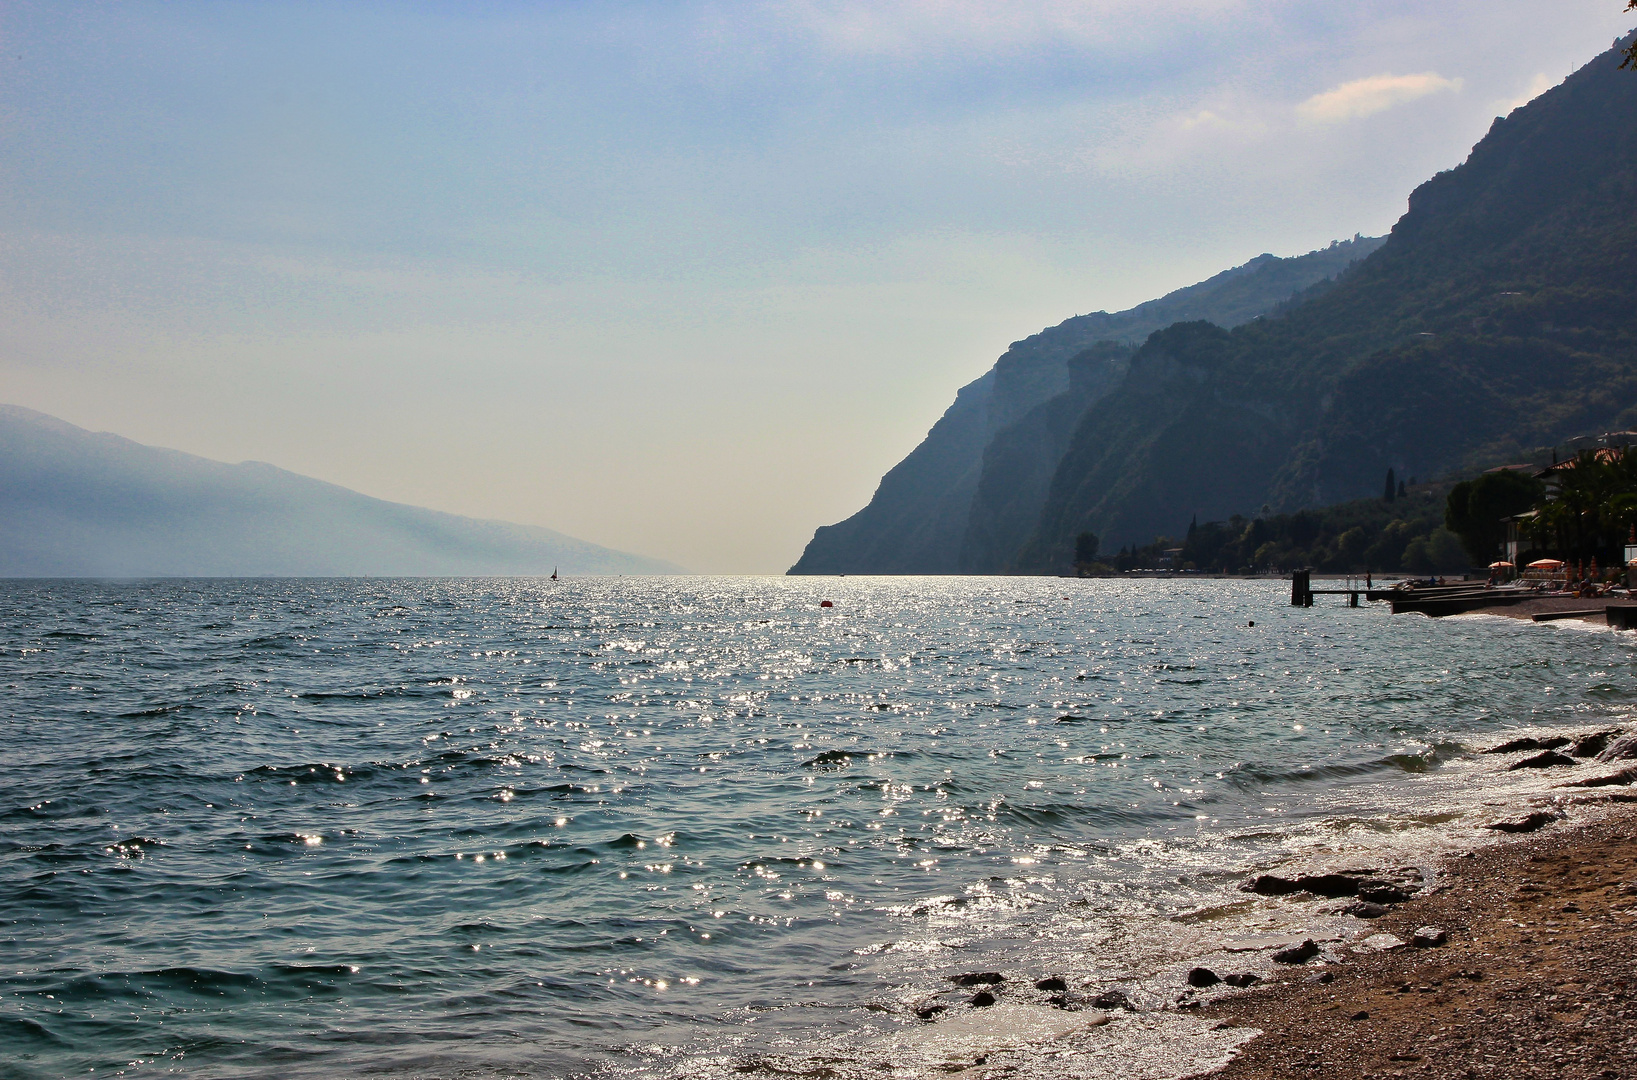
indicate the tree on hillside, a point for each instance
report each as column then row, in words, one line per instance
column 1437, row 552
column 1475, row 508
column 1085, row 548
column 1631, row 50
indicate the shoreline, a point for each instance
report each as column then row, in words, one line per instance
column 1300, row 967
column 1534, row 980
column 1534, row 916
column 1549, row 605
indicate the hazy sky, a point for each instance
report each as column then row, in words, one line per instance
column 679, row 278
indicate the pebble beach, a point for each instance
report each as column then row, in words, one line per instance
column 1534, row 979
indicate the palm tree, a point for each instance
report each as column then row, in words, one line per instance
column 1577, row 493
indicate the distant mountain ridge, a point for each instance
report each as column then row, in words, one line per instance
column 952, row 505
column 75, row 503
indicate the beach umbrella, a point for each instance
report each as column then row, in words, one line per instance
column 1502, row 565
column 1546, row 564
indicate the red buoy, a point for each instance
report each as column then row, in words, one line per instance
column 825, row 603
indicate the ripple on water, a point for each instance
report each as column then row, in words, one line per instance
column 674, row 825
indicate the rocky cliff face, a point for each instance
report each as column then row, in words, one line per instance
column 966, row 498
column 1501, row 314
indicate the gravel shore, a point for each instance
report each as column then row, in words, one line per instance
column 1536, row 979
column 1547, row 604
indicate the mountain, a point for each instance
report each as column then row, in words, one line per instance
column 74, row 503
column 954, row 503
column 1500, row 314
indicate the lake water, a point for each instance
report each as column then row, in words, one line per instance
column 675, row 827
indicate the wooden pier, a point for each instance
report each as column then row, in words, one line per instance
column 1432, row 600
column 1464, row 596
column 1302, row 591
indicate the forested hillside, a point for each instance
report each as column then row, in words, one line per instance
column 1500, row 314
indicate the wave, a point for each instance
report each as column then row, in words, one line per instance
column 1426, row 761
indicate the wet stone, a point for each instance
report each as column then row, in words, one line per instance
column 1270, row 885
column 1620, row 750
column 1365, row 909
column 1113, row 999
column 1242, row 979
column 978, row 978
column 1384, row 891
column 1327, row 885
column 1202, row 977
column 1550, row 759
column 1527, row 823
column 982, row 999
column 1518, row 746
column 1297, row 954
column 1261, row 942
column 1616, row 779
column 934, row 1006
column 1052, row 982
column 1593, row 743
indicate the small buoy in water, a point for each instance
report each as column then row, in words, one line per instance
column 1251, row 623
column 825, row 603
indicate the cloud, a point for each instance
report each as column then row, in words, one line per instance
column 1365, row 97
column 1537, row 86
column 897, row 27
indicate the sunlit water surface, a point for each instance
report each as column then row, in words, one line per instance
column 519, row 827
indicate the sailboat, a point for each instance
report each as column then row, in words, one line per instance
column 554, row 573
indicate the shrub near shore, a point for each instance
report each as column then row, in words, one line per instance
column 1405, row 534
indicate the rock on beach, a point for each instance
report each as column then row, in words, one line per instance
column 1549, row 759
column 1527, row 823
column 1297, row 954
column 1622, row 749
column 1523, row 970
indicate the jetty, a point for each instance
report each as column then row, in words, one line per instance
column 1463, row 596
column 1434, row 600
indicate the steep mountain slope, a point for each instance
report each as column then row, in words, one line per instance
column 921, row 519
column 78, row 504
column 1017, row 467
column 1500, row 313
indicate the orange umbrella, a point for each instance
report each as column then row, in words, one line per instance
column 1502, row 565
column 1546, row 564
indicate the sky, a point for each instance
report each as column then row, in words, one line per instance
column 678, row 278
